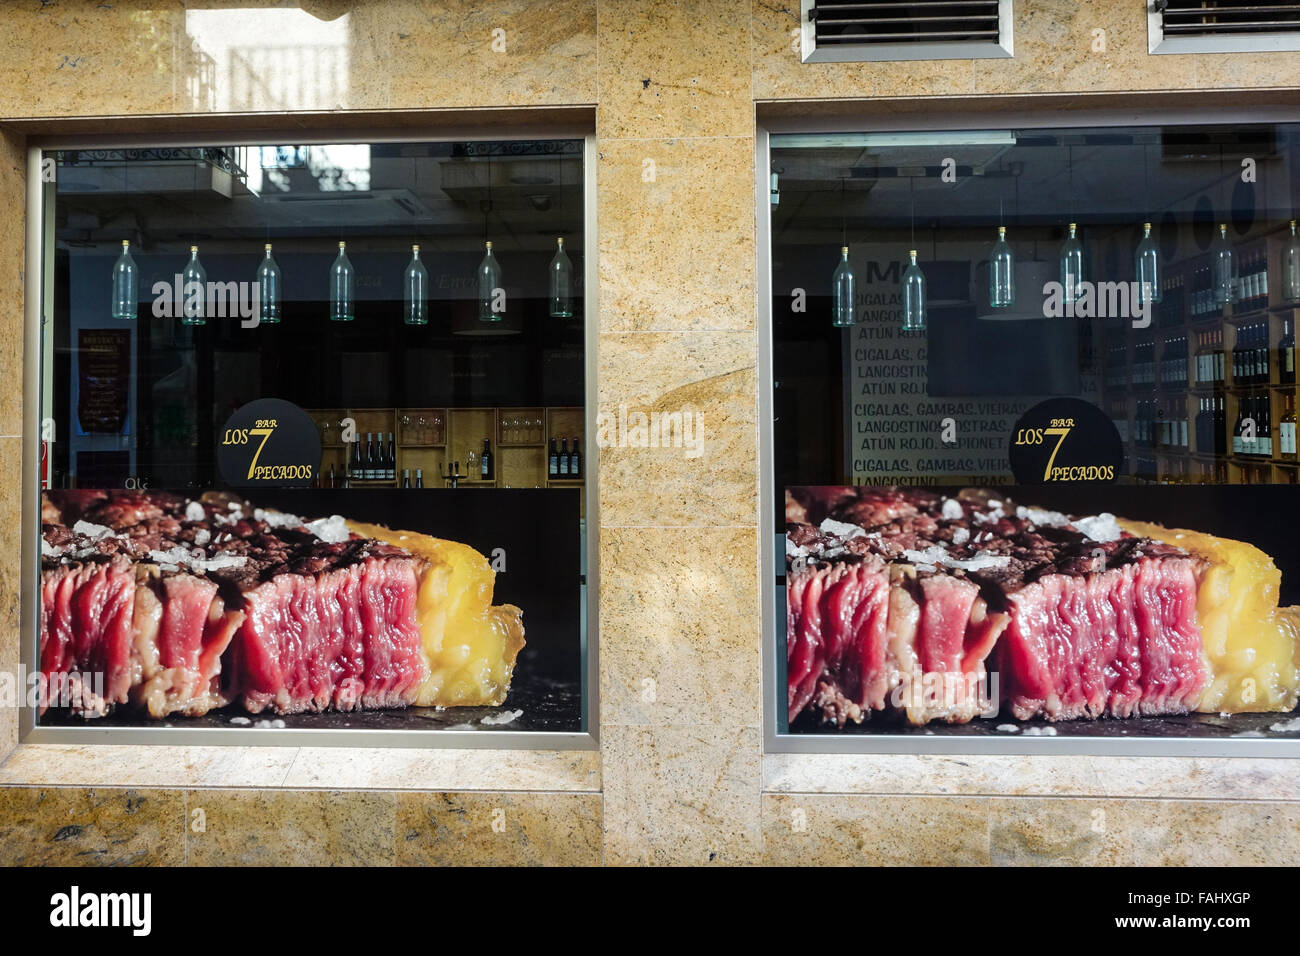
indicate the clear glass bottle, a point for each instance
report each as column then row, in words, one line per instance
column 1291, row 266
column 842, row 292
column 491, row 294
column 194, row 290
column 1071, row 266
column 415, row 290
column 268, row 289
column 342, row 287
column 1002, row 269
column 126, row 284
column 561, row 283
column 913, row 296
column 1224, row 269
column 1148, row 269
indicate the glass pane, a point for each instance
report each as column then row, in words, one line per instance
column 248, row 340
column 1048, row 325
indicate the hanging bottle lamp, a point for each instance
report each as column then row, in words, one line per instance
column 561, row 273
column 1002, row 268
column 126, row 285
column 194, row 286
column 415, row 290
column 1224, row 268
column 1291, row 266
column 1071, row 257
column 491, row 294
column 1148, row 268
column 342, row 287
column 268, row 288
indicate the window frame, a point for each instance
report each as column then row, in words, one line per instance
column 772, row 597
column 38, row 304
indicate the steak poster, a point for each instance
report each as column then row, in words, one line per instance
column 910, row 606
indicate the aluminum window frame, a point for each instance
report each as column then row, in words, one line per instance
column 772, row 597
column 35, row 308
column 1158, row 43
column 1002, row 48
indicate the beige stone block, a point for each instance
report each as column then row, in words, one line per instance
column 1033, row 831
column 74, row 827
column 676, row 240
column 10, row 579
column 709, row 478
column 679, row 626
column 849, row 830
column 681, row 795
column 674, row 68
column 498, row 829
column 13, row 194
column 90, row 59
column 289, row 828
column 451, row 53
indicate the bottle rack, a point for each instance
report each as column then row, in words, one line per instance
column 432, row 439
column 1133, row 388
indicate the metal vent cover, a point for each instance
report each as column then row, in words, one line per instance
column 853, row 30
column 1222, row 26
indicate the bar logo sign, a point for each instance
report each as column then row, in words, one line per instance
column 269, row 443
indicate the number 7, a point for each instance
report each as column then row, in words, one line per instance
column 265, row 433
column 1047, row 472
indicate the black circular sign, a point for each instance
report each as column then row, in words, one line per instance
column 269, row 443
column 1065, row 440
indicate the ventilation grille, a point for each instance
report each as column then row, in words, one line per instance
column 892, row 29
column 957, row 21
column 1226, row 26
column 1200, row 18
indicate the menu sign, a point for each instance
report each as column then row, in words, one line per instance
column 104, row 368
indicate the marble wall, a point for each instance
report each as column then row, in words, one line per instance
column 680, row 776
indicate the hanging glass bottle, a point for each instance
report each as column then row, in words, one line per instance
column 341, row 287
column 842, row 291
column 1225, row 268
column 913, row 296
column 1071, row 266
column 561, row 283
column 1002, row 267
column 491, row 294
column 415, row 290
column 268, row 288
column 1148, row 268
column 126, row 284
column 1291, row 266
column 194, row 290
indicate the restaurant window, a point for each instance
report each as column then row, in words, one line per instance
column 1033, row 464
column 314, row 443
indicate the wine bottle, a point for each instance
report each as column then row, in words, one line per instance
column 564, row 458
column 485, row 462
column 392, row 458
column 575, row 461
column 406, row 477
column 1291, row 267
column 1286, row 354
column 126, row 284
column 1286, row 429
column 368, row 465
column 419, row 477
column 331, row 477
column 553, row 462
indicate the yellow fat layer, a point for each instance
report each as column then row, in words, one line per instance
column 469, row 646
column 1252, row 645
